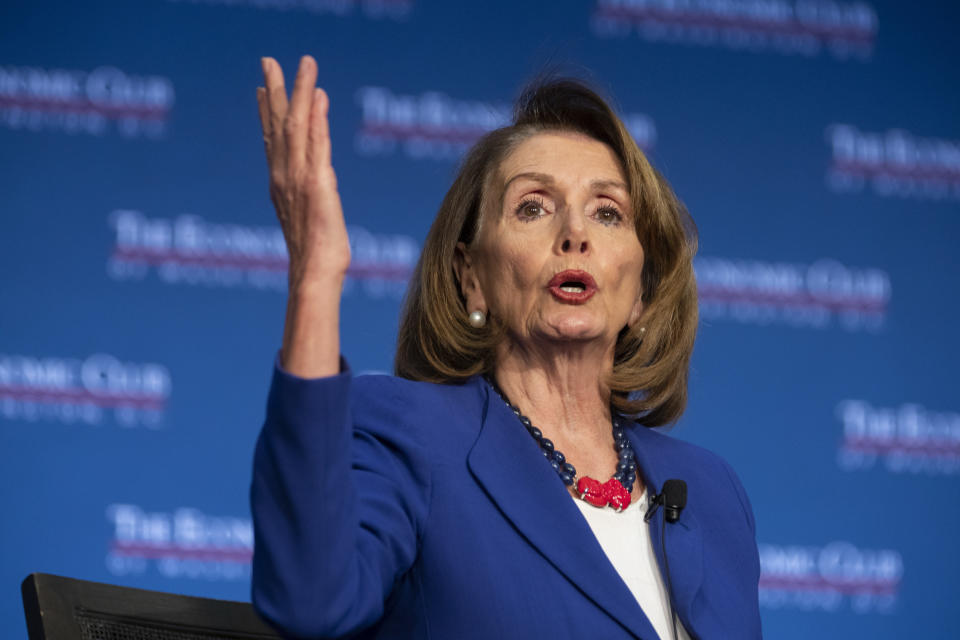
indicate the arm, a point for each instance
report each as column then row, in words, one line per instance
column 303, row 188
column 337, row 510
column 336, row 498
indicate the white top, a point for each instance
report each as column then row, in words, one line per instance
column 625, row 538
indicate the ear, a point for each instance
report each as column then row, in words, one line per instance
column 468, row 279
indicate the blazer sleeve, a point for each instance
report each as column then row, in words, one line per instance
column 339, row 495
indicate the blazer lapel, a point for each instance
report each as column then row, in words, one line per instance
column 509, row 465
column 684, row 538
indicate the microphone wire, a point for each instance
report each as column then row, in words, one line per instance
column 666, row 567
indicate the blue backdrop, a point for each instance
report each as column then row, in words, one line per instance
column 816, row 143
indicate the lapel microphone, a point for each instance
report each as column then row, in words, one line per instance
column 673, row 498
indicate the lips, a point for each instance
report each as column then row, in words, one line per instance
column 572, row 286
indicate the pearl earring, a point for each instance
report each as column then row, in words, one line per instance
column 477, row 319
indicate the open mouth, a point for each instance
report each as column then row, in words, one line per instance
column 572, row 286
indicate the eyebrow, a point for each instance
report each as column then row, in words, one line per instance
column 543, row 178
column 608, row 184
column 547, row 179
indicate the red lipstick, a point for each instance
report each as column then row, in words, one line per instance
column 572, row 286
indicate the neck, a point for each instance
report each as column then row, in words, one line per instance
column 559, row 386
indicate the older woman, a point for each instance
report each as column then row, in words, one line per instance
column 497, row 487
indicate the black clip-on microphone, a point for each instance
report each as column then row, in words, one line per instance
column 673, row 498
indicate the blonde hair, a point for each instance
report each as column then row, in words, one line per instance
column 651, row 364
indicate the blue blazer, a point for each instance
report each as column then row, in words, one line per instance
column 386, row 508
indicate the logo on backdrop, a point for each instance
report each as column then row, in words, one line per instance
column 432, row 125
column 429, row 125
column 95, row 102
column 801, row 27
column 893, row 164
column 829, row 578
column 189, row 250
column 184, row 543
column 391, row 9
column 90, row 391
column 817, row 295
column 905, row 439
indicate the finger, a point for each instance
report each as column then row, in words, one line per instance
column 275, row 100
column 264, row 112
column 297, row 119
column 318, row 142
column 274, row 158
column 276, row 96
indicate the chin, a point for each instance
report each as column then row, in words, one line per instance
column 576, row 331
column 571, row 325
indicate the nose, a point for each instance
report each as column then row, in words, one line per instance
column 573, row 235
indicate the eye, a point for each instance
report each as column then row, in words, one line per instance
column 608, row 214
column 530, row 209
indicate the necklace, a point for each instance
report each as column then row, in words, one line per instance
column 615, row 492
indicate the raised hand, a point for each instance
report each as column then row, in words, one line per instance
column 303, row 185
column 303, row 188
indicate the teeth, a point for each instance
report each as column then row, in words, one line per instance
column 573, row 288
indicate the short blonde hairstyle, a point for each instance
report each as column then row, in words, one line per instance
column 651, row 364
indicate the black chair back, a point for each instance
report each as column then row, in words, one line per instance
column 59, row 608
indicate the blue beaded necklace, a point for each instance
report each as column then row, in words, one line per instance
column 615, row 492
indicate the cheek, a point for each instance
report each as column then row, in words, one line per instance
column 511, row 277
column 637, row 270
column 630, row 267
column 636, row 260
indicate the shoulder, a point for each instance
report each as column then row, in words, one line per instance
column 426, row 410
column 404, row 394
column 381, row 382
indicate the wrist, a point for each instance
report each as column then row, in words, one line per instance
column 323, row 286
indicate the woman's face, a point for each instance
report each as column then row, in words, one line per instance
column 557, row 257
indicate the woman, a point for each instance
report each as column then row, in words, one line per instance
column 496, row 488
